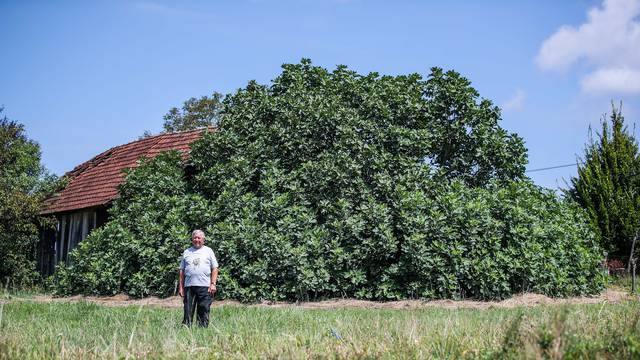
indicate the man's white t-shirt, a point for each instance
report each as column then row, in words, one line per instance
column 197, row 265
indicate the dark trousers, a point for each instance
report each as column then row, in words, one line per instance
column 196, row 297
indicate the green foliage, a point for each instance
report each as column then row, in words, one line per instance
column 608, row 184
column 23, row 183
column 328, row 184
column 195, row 113
column 337, row 184
column 466, row 140
column 493, row 242
column 137, row 252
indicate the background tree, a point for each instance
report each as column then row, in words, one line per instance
column 195, row 113
column 608, row 184
column 145, row 134
column 22, row 186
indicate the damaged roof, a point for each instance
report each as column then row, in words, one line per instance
column 95, row 182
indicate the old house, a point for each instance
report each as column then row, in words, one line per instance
column 82, row 205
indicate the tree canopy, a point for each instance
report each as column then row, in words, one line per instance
column 22, row 185
column 195, row 113
column 332, row 183
column 608, row 184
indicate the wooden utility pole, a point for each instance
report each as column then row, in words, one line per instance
column 633, row 275
column 632, row 264
column 633, row 249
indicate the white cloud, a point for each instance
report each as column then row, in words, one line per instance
column 609, row 42
column 613, row 80
column 516, row 103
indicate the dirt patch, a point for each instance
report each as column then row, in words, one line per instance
column 610, row 296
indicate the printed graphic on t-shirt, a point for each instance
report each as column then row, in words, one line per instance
column 197, row 265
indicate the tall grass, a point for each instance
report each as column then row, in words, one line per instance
column 622, row 283
column 85, row 330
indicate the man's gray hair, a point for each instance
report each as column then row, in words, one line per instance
column 198, row 232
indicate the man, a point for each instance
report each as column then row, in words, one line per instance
column 198, row 278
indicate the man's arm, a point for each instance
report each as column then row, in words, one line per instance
column 181, row 284
column 214, row 280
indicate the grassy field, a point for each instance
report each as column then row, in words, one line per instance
column 86, row 330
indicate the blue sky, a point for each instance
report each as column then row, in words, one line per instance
column 85, row 76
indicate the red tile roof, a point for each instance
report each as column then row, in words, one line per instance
column 96, row 181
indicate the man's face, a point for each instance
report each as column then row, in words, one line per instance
column 197, row 240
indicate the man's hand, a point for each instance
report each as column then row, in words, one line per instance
column 212, row 289
column 181, row 283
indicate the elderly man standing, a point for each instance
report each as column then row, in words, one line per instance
column 198, row 278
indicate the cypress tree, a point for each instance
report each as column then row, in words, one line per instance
column 607, row 184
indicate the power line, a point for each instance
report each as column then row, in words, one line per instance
column 552, row 167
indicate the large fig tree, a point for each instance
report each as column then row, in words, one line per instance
column 311, row 176
column 325, row 184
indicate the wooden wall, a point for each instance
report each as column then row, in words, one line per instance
column 71, row 229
